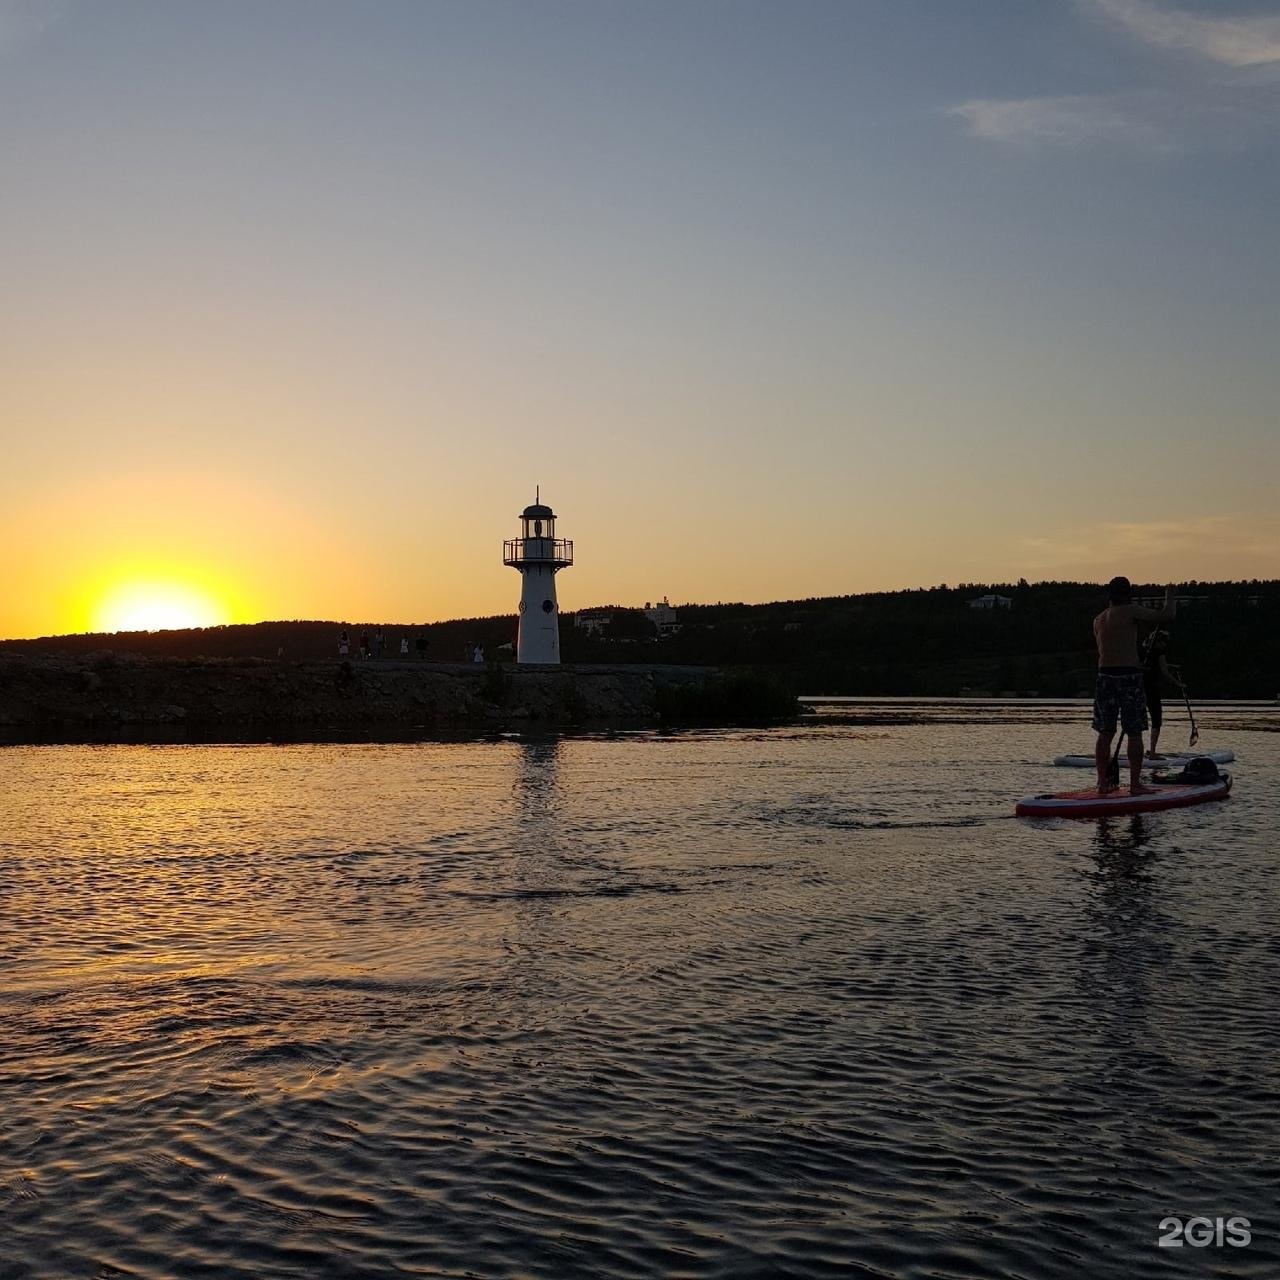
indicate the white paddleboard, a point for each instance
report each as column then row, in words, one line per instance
column 1172, row 760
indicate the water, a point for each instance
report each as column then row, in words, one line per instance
column 796, row 1002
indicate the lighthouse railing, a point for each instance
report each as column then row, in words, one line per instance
column 552, row 551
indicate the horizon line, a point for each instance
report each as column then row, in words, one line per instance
column 1138, row 587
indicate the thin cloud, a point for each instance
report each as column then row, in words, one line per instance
column 1252, row 41
column 1079, row 120
column 1165, row 535
column 1039, row 554
column 1204, row 546
column 1233, row 108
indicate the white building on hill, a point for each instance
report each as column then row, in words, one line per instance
column 592, row 621
column 663, row 617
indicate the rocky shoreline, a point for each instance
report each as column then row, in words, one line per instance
column 108, row 694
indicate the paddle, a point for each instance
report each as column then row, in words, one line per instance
column 1113, row 769
column 1195, row 733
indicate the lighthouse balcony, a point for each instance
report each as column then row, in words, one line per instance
column 555, row 552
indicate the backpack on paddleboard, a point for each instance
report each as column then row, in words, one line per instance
column 1199, row 771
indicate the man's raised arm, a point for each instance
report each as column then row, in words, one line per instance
column 1158, row 615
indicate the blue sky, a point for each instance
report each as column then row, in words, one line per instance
column 772, row 299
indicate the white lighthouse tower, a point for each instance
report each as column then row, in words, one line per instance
column 538, row 554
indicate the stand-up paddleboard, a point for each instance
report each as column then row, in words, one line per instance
column 1088, row 803
column 1172, row 760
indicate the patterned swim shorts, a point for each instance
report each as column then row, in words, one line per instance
column 1122, row 696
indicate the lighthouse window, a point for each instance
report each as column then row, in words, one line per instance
column 537, row 528
column 547, row 606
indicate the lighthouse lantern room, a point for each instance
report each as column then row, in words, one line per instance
column 538, row 555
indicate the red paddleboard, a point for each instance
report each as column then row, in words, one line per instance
column 1088, row 803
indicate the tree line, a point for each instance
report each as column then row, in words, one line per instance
column 925, row 642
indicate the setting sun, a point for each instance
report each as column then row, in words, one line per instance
column 156, row 606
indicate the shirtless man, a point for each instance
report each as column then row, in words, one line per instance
column 1119, row 692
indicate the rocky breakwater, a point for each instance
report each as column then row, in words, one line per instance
column 111, row 694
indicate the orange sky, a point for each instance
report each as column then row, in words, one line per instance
column 185, row 548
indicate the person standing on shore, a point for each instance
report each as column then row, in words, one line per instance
column 1119, row 692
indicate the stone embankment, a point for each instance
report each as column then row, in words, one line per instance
column 107, row 694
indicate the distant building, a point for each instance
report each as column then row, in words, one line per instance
column 663, row 617
column 991, row 601
column 592, row 621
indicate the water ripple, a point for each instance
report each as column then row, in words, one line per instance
column 725, row 1005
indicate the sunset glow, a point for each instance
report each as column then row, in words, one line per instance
column 156, row 606
column 155, row 549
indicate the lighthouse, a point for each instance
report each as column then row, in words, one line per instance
column 538, row 555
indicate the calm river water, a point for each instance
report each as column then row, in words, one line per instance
column 795, row 1002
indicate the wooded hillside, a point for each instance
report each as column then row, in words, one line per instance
column 926, row 642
